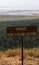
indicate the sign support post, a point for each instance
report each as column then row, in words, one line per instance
column 22, row 50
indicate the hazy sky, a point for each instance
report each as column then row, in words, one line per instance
column 19, row 4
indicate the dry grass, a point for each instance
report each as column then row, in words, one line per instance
column 31, row 56
column 13, row 57
column 32, row 52
column 10, row 57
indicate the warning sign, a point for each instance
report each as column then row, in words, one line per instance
column 21, row 30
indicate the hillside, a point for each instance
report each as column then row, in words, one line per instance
column 11, row 48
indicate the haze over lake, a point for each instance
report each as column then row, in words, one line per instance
column 19, row 12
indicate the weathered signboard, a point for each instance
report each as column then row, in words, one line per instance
column 21, row 30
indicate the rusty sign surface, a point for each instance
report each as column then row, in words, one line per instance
column 21, row 30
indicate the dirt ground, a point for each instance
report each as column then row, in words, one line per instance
column 13, row 57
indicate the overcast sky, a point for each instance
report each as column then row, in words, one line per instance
column 19, row 4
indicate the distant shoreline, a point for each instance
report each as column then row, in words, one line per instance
column 16, row 18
